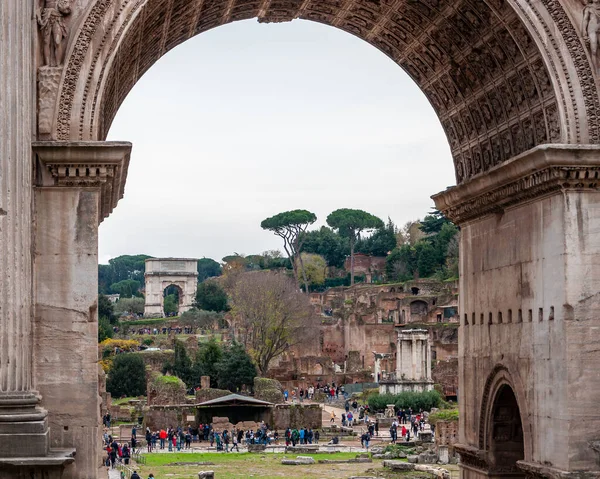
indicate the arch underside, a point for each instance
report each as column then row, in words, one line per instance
column 475, row 60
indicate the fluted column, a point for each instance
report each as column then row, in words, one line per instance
column 18, row 403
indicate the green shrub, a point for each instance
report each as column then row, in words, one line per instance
column 416, row 401
column 396, row 449
column 105, row 330
column 127, row 376
column 444, row 415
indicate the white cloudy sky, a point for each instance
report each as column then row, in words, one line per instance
column 248, row 120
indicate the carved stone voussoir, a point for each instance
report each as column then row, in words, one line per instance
column 536, row 173
column 101, row 164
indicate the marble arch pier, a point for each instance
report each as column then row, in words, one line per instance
column 515, row 86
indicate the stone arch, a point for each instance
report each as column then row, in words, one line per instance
column 505, row 434
column 419, row 308
column 498, row 380
column 164, row 272
column 503, row 75
column 179, row 285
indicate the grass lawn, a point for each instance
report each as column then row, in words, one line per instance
column 241, row 465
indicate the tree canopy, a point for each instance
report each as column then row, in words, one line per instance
column 327, row 243
column 208, row 268
column 127, row 376
column 130, row 305
column 271, row 315
column 235, row 369
column 210, row 296
column 314, row 268
column 350, row 224
column 199, row 319
column 106, row 309
column 127, row 288
column 119, row 269
column 435, row 253
column 290, row 226
column 381, row 242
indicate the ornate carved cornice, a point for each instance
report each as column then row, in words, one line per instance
column 534, row 174
column 472, row 457
column 88, row 164
column 534, row 470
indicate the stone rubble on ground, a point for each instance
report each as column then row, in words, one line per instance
column 299, row 461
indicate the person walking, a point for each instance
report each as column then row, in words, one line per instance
column 317, row 436
column 148, row 439
column 234, row 440
column 226, row 440
column 135, row 475
column 333, row 416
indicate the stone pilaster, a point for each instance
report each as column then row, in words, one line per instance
column 529, row 250
column 77, row 185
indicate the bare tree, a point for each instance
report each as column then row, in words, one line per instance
column 271, row 315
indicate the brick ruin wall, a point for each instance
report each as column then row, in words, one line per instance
column 365, row 318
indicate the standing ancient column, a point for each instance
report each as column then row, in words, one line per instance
column 413, row 348
column 399, row 354
column 428, row 355
column 18, row 411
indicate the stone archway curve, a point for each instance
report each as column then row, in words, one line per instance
column 497, row 379
column 503, row 75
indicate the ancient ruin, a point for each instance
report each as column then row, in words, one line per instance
column 413, row 364
column 164, row 272
column 514, row 83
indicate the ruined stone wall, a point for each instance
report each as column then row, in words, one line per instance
column 445, row 373
column 446, row 433
column 359, row 326
column 294, row 415
column 159, row 417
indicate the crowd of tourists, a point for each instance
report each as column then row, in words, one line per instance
column 177, row 439
column 415, row 423
column 331, row 392
column 301, row 436
column 164, row 330
column 116, row 452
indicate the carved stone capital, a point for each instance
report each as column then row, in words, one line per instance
column 539, row 172
column 88, row 164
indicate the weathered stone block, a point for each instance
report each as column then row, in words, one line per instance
column 299, row 461
column 399, row 466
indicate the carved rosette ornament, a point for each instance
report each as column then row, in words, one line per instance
column 539, row 172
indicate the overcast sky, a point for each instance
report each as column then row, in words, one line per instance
column 248, row 120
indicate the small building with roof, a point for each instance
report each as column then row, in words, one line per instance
column 236, row 408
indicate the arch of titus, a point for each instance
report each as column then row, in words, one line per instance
column 515, row 86
column 164, row 272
